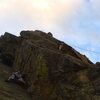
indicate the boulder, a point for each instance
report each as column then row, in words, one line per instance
column 50, row 34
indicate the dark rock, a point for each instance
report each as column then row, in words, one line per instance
column 97, row 63
column 50, row 34
column 51, row 74
column 8, row 46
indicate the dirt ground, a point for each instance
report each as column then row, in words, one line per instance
column 10, row 91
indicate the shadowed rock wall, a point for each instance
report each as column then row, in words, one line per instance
column 50, row 73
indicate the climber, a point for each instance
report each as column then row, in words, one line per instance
column 17, row 77
column 61, row 46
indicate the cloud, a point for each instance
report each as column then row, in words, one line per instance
column 85, row 23
column 42, row 14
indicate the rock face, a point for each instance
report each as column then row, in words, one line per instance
column 51, row 74
column 10, row 91
column 8, row 45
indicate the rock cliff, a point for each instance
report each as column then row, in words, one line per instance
column 51, row 74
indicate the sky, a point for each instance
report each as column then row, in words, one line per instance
column 76, row 22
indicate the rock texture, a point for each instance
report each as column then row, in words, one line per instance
column 10, row 91
column 51, row 74
column 8, row 46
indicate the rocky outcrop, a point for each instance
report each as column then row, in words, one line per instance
column 8, row 46
column 45, row 41
column 51, row 74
